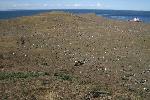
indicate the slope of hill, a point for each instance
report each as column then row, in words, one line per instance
column 62, row 56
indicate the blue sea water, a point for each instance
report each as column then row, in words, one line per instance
column 113, row 14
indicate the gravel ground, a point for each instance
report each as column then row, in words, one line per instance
column 62, row 56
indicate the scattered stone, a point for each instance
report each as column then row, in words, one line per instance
column 146, row 71
column 146, row 89
column 54, row 45
column 46, row 82
column 79, row 63
column 22, row 41
column 143, row 81
column 96, row 94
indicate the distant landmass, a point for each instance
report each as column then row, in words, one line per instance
column 113, row 14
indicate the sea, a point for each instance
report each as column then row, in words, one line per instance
column 124, row 15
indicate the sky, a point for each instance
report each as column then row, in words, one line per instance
column 75, row 4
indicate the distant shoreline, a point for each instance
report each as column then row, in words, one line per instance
column 69, row 9
column 123, row 15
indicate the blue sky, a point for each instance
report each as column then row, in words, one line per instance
column 76, row 4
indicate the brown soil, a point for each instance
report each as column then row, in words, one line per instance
column 62, row 56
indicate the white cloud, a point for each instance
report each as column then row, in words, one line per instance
column 99, row 4
column 76, row 5
column 86, row 5
column 72, row 5
column 45, row 5
column 14, row 5
column 27, row 5
column 21, row 5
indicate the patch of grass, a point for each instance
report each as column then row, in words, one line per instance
column 12, row 75
column 4, row 97
column 100, row 87
column 97, row 91
column 123, row 97
column 63, row 76
column 45, row 64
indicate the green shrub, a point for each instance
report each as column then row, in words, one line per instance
column 12, row 75
column 63, row 76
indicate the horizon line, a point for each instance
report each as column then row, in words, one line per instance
column 71, row 9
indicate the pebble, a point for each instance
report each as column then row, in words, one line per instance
column 146, row 71
column 79, row 63
column 143, row 81
column 115, row 49
column 109, row 98
column 145, row 88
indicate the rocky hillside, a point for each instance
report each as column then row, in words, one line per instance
column 62, row 56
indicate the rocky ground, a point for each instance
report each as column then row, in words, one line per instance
column 62, row 56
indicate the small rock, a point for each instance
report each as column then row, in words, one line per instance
column 96, row 94
column 79, row 63
column 46, row 82
column 143, row 81
column 146, row 89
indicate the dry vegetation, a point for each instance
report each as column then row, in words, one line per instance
column 62, row 56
